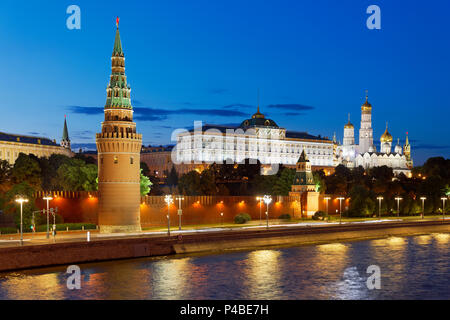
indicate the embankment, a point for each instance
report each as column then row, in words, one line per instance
column 33, row 256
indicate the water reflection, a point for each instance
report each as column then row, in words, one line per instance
column 411, row 268
column 169, row 280
column 263, row 274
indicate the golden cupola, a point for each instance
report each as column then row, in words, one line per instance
column 386, row 136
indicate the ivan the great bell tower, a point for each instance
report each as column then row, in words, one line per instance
column 118, row 147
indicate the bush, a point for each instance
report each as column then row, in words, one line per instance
column 8, row 230
column 242, row 218
column 285, row 216
column 319, row 215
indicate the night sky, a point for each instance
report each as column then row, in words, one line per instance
column 205, row 60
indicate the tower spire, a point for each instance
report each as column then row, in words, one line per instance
column 257, row 111
column 117, row 51
column 65, row 141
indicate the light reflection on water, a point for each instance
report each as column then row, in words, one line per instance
column 411, row 268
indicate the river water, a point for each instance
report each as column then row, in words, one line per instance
column 416, row 267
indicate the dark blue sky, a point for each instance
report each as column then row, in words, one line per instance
column 205, row 60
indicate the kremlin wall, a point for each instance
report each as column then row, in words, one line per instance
column 82, row 207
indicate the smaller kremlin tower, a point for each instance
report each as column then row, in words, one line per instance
column 65, row 141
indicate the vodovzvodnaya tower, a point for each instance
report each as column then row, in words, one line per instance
column 118, row 147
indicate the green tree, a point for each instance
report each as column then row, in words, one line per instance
column 189, row 184
column 76, row 175
column 172, row 178
column 145, row 169
column 26, row 169
column 145, row 184
column 208, row 183
column 284, row 182
column 361, row 202
column 27, row 191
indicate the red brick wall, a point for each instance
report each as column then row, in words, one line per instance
column 83, row 206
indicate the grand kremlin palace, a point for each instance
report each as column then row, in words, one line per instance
column 256, row 138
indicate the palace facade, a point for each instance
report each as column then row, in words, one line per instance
column 11, row 145
column 257, row 138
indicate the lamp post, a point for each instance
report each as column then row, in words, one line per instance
column 169, row 200
column 398, row 205
column 443, row 207
column 260, row 199
column 423, row 206
column 21, row 200
column 340, row 208
column 221, row 218
column 180, row 211
column 47, row 198
column 379, row 206
column 267, row 199
column 327, row 199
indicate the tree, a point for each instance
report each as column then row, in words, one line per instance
column 189, row 184
column 172, row 178
column 319, row 181
column 208, row 183
column 145, row 169
column 284, row 182
column 145, row 184
column 5, row 172
column 76, row 175
column 27, row 191
column 26, row 169
column 361, row 204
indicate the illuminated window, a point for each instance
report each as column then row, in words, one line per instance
column 116, row 160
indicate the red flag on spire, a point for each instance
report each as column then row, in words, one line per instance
column 117, row 22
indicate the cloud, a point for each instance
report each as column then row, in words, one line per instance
column 86, row 110
column 159, row 114
column 34, row 133
column 292, row 106
column 238, row 105
column 430, row 147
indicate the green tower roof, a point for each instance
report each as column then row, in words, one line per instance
column 117, row 51
column 65, row 131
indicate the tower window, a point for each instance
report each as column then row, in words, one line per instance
column 131, row 160
column 116, row 160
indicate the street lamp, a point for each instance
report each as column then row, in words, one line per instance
column 379, row 206
column 221, row 218
column 340, row 208
column 260, row 199
column 398, row 205
column 21, row 200
column 443, row 207
column 423, row 206
column 267, row 199
column 180, row 211
column 169, row 200
column 327, row 199
column 47, row 198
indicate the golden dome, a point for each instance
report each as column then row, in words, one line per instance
column 258, row 115
column 386, row 136
column 366, row 105
column 349, row 125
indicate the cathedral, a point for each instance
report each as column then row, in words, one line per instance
column 365, row 153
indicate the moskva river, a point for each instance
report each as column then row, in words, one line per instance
column 415, row 267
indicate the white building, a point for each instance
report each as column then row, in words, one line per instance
column 256, row 138
column 365, row 154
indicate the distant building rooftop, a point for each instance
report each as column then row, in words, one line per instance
column 27, row 139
